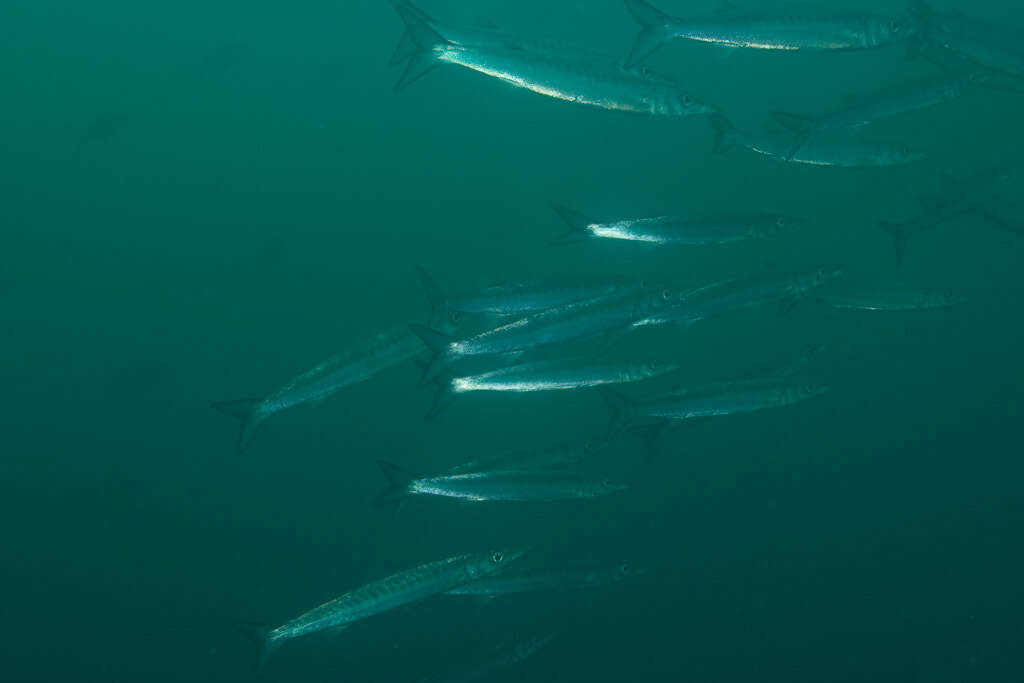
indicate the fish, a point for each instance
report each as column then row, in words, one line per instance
column 882, row 105
column 675, row 230
column 520, row 298
column 403, row 588
column 890, row 297
column 559, row 455
column 781, row 32
column 831, row 148
column 710, row 400
column 503, row 660
column 348, row 367
column 549, row 375
column 591, row 80
column 520, row 486
column 729, row 296
column 978, row 195
column 546, row 580
column 976, row 43
column 571, row 321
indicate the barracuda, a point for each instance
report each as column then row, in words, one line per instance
column 783, row 33
column 664, row 230
column 403, row 588
column 520, row 486
column 586, row 79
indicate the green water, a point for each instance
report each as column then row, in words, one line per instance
column 203, row 200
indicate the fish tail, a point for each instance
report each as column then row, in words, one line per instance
column 899, row 234
column 245, row 411
column 621, row 408
column 654, row 31
column 259, row 634
column 417, row 44
column 436, row 342
column 576, row 222
column 398, row 482
column 435, row 295
column 406, row 47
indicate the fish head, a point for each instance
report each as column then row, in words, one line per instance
column 786, row 222
column 824, row 274
column 891, row 30
column 653, row 368
column 682, row 104
column 627, row 571
column 493, row 562
column 607, row 486
column 903, row 154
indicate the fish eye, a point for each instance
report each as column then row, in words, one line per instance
column 455, row 317
column 497, row 557
column 686, row 100
column 607, row 483
column 894, row 26
column 781, row 221
column 666, row 295
column 625, row 569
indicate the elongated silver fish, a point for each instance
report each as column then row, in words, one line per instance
column 984, row 195
column 403, row 588
column 545, row 580
column 521, row 298
column 720, row 298
column 564, row 323
column 675, row 229
column 561, row 374
column 832, row 148
column 560, row 455
column 520, row 486
column 890, row 297
column 824, row 32
column 548, row 375
column 503, row 660
column 995, row 47
column 586, row 79
column 882, row 105
column 712, row 400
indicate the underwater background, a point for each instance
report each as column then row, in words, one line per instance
column 202, row 200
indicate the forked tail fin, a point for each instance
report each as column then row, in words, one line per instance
column 654, row 30
column 621, row 408
column 437, row 343
column 900, row 235
column 258, row 634
column 406, row 47
column 245, row 411
column 435, row 295
column 398, row 481
column 419, row 41
column 576, row 222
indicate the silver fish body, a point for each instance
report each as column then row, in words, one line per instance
column 687, row 231
column 391, row 592
column 554, row 375
column 890, row 297
column 787, row 33
column 522, row 298
column 585, row 79
column 832, row 148
column 728, row 398
column 513, row 486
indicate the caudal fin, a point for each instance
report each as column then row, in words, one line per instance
column 258, row 634
column 621, row 408
column 243, row 410
column 437, row 343
column 900, row 235
column 435, row 295
column 576, row 222
column 406, row 47
column 395, row 492
column 654, row 30
column 419, row 41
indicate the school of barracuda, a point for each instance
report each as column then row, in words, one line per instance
column 555, row 335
